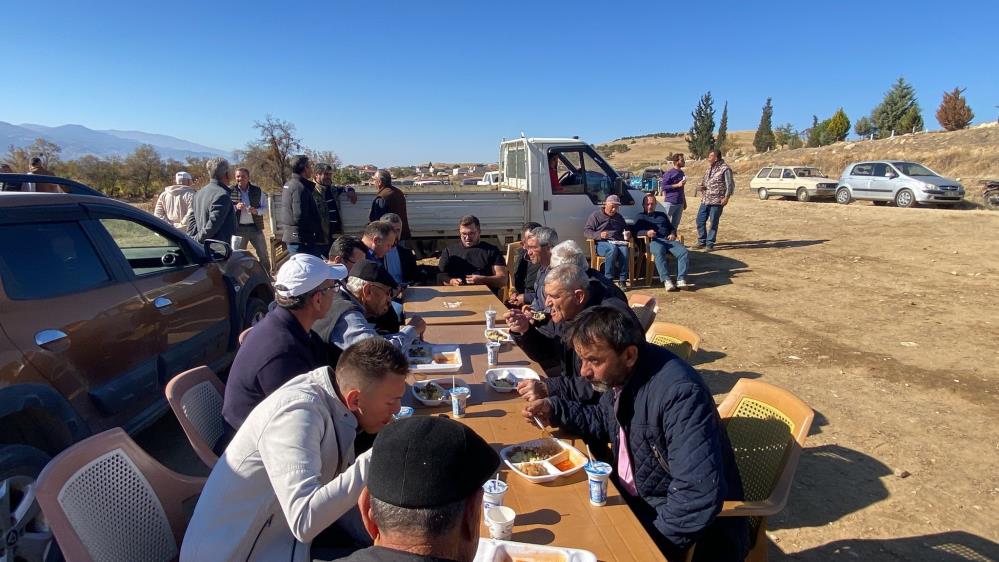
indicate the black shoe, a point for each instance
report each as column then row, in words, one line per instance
column 699, row 245
column 709, row 248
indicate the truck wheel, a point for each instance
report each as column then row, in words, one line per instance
column 843, row 196
column 904, row 198
column 803, row 195
column 25, row 534
column 256, row 309
column 763, row 193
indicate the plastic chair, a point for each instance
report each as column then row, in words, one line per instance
column 106, row 499
column 767, row 426
column 681, row 340
column 597, row 262
column 645, row 308
column 195, row 396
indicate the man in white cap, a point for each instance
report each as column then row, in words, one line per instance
column 609, row 229
column 282, row 345
column 173, row 204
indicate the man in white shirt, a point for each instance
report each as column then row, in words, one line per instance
column 251, row 208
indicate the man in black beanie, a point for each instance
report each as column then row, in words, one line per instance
column 423, row 502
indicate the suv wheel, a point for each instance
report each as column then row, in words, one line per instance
column 256, row 309
column 843, row 196
column 803, row 195
column 24, row 533
column 763, row 193
column 905, row 198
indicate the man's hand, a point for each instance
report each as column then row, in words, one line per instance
column 455, row 282
column 651, row 234
column 540, row 409
column 516, row 299
column 531, row 390
column 681, row 183
column 419, row 323
column 475, row 279
column 724, row 201
column 672, row 236
column 253, row 211
column 239, row 206
column 517, row 321
column 352, row 196
column 604, row 235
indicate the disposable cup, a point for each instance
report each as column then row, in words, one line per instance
column 492, row 353
column 490, row 319
column 500, row 522
column 459, row 397
column 493, row 492
column 404, row 412
column 598, row 473
column 236, row 242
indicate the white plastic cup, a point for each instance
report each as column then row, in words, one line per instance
column 492, row 353
column 459, row 397
column 490, row 319
column 403, row 413
column 493, row 492
column 236, row 242
column 598, row 473
column 500, row 519
column 627, row 235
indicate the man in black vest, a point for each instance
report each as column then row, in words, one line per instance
column 367, row 295
column 251, row 206
column 323, row 175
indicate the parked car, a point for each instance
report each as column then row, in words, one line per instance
column 491, row 178
column 470, row 181
column 101, row 304
column 904, row 183
column 802, row 182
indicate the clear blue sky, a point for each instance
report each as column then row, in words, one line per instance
column 406, row 82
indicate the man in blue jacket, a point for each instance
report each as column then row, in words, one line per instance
column 672, row 459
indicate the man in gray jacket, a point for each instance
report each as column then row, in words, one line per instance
column 212, row 215
column 290, row 472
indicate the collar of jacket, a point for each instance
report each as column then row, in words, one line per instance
column 324, row 378
column 220, row 184
column 640, row 374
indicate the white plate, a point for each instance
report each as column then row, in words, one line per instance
column 522, row 373
column 492, row 550
column 434, row 367
column 578, row 458
column 445, row 382
column 504, row 334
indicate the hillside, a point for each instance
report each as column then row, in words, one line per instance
column 77, row 141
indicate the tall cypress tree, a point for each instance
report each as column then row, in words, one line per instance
column 764, row 139
column 723, row 128
column 701, row 138
column 898, row 111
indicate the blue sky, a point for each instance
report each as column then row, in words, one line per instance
column 405, row 82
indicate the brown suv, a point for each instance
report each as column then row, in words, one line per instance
column 100, row 304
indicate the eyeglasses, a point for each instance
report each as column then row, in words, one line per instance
column 325, row 289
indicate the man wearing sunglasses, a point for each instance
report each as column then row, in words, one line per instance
column 366, row 296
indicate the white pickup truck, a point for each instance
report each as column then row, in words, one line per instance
column 525, row 194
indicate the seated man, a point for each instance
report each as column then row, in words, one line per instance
column 400, row 261
column 662, row 241
column 671, row 456
column 346, row 251
column 282, row 345
column 472, row 261
column 524, row 272
column 539, row 253
column 568, row 291
column 424, row 496
column 378, row 238
column 367, row 296
column 290, row 472
column 608, row 228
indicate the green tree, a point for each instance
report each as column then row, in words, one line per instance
column 764, row 138
column 783, row 135
column 864, row 127
column 723, row 129
column 143, row 170
column 954, row 113
column 700, row 138
column 838, row 126
column 898, row 112
column 795, row 141
column 103, row 175
column 814, row 133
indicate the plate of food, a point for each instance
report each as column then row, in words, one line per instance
column 435, row 392
column 543, row 460
column 493, row 550
column 499, row 335
column 427, row 358
column 507, row 378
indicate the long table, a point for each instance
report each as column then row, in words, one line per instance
column 447, row 306
column 556, row 513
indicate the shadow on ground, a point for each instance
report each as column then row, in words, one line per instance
column 760, row 244
column 713, row 270
column 721, row 382
column 953, row 546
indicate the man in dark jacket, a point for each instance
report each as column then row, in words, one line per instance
column 331, row 196
column 672, row 459
column 300, row 214
column 212, row 215
column 389, row 199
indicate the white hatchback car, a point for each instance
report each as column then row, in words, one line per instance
column 802, row 182
column 904, row 183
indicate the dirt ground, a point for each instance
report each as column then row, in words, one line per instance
column 884, row 321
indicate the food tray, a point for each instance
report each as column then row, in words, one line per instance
column 445, row 382
column 568, row 453
column 522, row 373
column 420, row 352
column 501, row 335
column 493, row 550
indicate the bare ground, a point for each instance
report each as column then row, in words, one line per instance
column 883, row 320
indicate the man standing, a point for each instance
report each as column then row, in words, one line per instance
column 472, row 261
column 301, row 218
column 389, row 199
column 673, row 183
column 331, row 198
column 607, row 227
column 290, row 472
column 251, row 205
column 671, row 456
column 438, row 519
column 716, row 188
column 36, row 166
column 212, row 215
column 173, row 204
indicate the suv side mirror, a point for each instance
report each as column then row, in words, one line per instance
column 217, row 251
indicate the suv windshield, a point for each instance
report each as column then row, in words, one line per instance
column 913, row 169
column 808, row 173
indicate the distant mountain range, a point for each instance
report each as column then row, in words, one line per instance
column 77, row 141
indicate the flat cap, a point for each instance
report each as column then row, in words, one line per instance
column 427, row 461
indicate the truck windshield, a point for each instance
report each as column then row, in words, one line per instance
column 578, row 171
column 913, row 169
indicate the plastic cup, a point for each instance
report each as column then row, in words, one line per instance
column 500, row 519
column 404, row 412
column 459, row 397
column 236, row 242
column 493, row 492
column 492, row 353
column 490, row 319
column 598, row 473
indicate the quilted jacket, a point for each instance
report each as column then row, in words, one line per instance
column 680, row 454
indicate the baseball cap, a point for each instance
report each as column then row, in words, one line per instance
column 373, row 273
column 613, row 200
column 427, row 461
column 303, row 273
column 181, row 176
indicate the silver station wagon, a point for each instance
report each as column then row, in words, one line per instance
column 905, row 184
column 802, row 182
